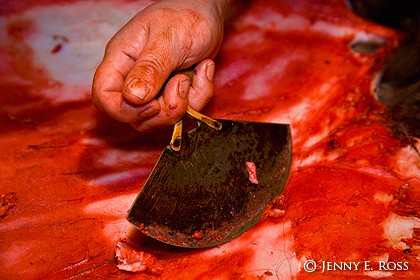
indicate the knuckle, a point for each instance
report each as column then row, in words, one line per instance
column 131, row 49
column 208, row 97
column 152, row 65
column 96, row 100
column 96, row 96
column 128, row 47
column 124, row 41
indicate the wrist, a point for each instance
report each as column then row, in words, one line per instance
column 206, row 6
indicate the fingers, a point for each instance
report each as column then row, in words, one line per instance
column 173, row 105
column 107, row 96
column 178, row 94
column 202, row 88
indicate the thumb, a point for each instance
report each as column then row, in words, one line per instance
column 149, row 72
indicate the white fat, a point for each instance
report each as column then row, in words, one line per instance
column 364, row 166
column 313, row 158
column 116, row 177
column 272, row 247
column 116, row 208
column 368, row 38
column 333, row 30
column 342, row 31
column 112, row 207
column 115, row 157
column 88, row 125
column 14, row 253
column 382, row 197
column 262, row 81
column 397, row 228
column 316, row 138
column 294, row 114
column 272, row 255
column 272, row 20
column 92, row 141
column 71, row 68
column 407, row 161
column 22, row 223
column 382, row 258
column 244, row 40
column 74, row 265
column 298, row 115
column 316, row 157
column 378, row 273
column 233, row 71
column 329, row 85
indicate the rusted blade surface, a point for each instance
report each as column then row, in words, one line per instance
column 202, row 195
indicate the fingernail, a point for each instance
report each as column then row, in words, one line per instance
column 183, row 87
column 139, row 88
column 210, row 71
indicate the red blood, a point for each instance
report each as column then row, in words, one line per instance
column 198, row 235
column 7, row 201
column 56, row 48
column 53, row 233
column 277, row 207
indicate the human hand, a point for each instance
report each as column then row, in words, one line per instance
column 164, row 37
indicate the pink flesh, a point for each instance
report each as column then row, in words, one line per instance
column 132, row 260
column 75, row 172
column 252, row 171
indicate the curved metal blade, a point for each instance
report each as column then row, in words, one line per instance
column 202, row 196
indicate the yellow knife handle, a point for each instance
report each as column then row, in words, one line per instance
column 189, row 72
